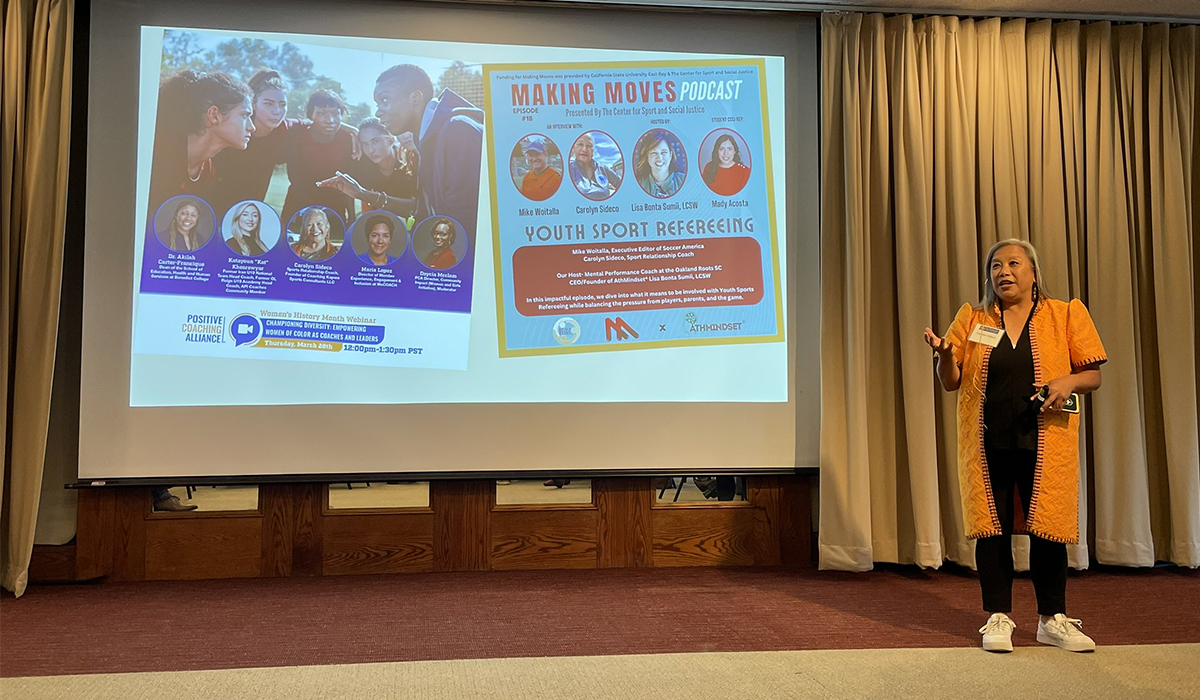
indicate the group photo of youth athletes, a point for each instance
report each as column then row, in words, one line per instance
column 314, row 133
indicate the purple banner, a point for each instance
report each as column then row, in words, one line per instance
column 343, row 278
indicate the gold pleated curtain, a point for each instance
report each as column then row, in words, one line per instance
column 36, row 98
column 942, row 136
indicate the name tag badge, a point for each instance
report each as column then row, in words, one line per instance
column 986, row 335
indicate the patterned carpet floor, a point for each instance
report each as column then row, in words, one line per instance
column 263, row 623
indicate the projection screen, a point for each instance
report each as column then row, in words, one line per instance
column 351, row 238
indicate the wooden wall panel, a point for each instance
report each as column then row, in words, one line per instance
column 307, row 536
column 765, row 493
column 462, row 539
column 278, row 514
column 544, row 539
column 795, row 522
column 623, row 534
column 463, row 530
column 52, row 563
column 129, row 533
column 383, row 543
column 96, row 517
column 704, row 536
column 291, row 523
column 203, row 547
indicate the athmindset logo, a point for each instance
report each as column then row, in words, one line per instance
column 695, row 327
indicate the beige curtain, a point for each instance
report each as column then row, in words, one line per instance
column 33, row 176
column 942, row 136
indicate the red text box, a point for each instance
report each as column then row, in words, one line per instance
column 601, row 278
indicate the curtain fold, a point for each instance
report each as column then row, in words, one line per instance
column 951, row 48
column 33, row 176
column 916, row 464
column 942, row 136
column 1171, row 58
column 847, row 103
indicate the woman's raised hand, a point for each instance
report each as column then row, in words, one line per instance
column 948, row 372
column 344, row 184
column 941, row 346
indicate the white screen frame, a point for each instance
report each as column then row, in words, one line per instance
column 118, row 442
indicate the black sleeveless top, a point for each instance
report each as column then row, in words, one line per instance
column 1009, row 417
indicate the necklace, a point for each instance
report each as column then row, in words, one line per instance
column 1032, row 308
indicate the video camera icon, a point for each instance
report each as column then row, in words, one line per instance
column 245, row 329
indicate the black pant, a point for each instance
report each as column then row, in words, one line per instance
column 1009, row 470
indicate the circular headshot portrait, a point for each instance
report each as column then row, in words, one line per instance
column 439, row 242
column 378, row 237
column 315, row 233
column 659, row 163
column 724, row 162
column 597, row 165
column 184, row 223
column 250, row 228
column 536, row 165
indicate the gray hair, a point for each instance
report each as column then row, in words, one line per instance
column 989, row 293
column 310, row 214
column 314, row 213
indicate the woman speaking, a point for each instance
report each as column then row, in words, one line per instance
column 1018, row 360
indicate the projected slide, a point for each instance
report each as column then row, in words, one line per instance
column 332, row 236
column 356, row 220
column 637, row 210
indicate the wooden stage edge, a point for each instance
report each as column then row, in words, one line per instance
column 294, row 533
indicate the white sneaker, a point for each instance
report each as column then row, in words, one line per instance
column 1064, row 632
column 997, row 633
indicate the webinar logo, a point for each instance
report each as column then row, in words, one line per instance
column 566, row 331
column 245, row 329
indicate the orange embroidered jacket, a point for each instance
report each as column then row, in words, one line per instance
column 1063, row 339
